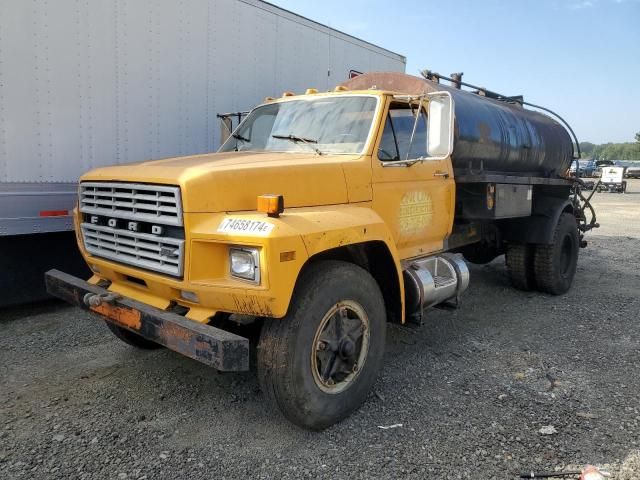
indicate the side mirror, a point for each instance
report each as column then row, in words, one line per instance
column 440, row 125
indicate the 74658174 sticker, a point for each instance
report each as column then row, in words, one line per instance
column 245, row 226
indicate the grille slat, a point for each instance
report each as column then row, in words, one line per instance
column 123, row 241
column 129, row 207
column 139, row 205
column 137, row 249
column 159, row 204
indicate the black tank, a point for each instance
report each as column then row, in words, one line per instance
column 491, row 136
column 495, row 136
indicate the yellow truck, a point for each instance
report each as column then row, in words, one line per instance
column 321, row 218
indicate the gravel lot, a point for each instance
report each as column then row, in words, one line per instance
column 472, row 388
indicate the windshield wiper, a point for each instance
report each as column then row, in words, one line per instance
column 296, row 139
column 240, row 137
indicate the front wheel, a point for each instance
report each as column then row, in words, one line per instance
column 318, row 364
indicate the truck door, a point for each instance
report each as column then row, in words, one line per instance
column 416, row 199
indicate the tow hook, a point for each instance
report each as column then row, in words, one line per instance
column 97, row 299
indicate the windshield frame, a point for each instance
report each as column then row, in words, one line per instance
column 366, row 146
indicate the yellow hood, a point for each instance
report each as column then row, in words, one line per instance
column 224, row 182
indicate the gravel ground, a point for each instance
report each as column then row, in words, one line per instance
column 472, row 388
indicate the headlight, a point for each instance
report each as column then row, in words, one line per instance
column 245, row 263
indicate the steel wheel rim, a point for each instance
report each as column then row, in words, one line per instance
column 340, row 347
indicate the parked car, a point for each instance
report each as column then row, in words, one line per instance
column 590, row 168
column 633, row 171
column 585, row 168
column 631, row 168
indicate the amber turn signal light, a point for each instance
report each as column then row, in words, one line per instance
column 491, row 196
column 272, row 205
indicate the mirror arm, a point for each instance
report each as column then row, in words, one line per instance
column 415, row 124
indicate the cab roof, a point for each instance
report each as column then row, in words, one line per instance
column 343, row 92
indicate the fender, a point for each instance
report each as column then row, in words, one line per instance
column 539, row 227
column 326, row 228
column 307, row 231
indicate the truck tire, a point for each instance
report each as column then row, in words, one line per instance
column 318, row 363
column 555, row 264
column 519, row 260
column 131, row 338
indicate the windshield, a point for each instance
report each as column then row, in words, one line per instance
column 320, row 125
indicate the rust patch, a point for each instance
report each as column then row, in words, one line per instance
column 204, row 350
column 126, row 317
column 252, row 305
column 175, row 332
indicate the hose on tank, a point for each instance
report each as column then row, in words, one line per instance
column 564, row 122
column 428, row 74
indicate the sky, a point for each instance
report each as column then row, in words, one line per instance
column 581, row 58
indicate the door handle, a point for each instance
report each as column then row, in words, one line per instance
column 441, row 174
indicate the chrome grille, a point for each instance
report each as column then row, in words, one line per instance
column 151, row 252
column 158, row 204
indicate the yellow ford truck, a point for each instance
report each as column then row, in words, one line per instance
column 321, row 218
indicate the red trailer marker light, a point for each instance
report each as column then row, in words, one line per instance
column 54, row 213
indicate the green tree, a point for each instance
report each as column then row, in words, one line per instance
column 586, row 149
column 612, row 151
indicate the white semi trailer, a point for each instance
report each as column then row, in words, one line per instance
column 86, row 84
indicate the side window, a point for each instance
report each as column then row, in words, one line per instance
column 260, row 131
column 396, row 137
column 388, row 148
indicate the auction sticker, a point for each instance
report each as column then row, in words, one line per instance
column 245, row 227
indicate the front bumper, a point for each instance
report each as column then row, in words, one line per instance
column 212, row 346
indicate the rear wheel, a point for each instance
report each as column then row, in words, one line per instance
column 318, row 363
column 555, row 264
column 519, row 260
column 131, row 338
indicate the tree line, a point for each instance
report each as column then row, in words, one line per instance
column 612, row 151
